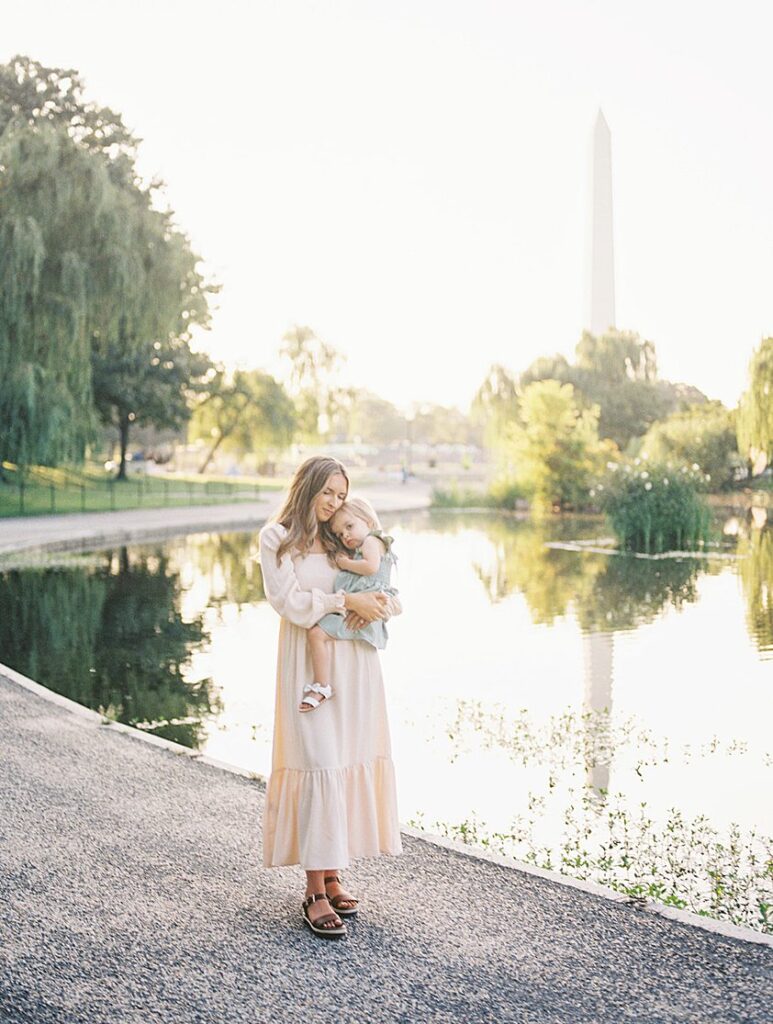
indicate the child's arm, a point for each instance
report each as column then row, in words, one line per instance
column 372, row 550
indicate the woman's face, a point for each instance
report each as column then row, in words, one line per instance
column 331, row 497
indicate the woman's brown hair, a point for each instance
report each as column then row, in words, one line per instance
column 297, row 514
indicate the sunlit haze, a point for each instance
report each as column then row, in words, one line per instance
column 411, row 179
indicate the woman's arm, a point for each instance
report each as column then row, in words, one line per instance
column 391, row 606
column 303, row 608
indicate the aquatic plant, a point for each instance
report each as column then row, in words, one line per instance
column 679, row 862
column 654, row 508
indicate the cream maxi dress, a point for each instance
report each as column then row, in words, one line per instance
column 331, row 795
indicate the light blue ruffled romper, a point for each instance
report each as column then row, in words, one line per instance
column 375, row 632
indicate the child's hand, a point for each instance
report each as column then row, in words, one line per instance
column 340, row 556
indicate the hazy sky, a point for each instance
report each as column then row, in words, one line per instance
column 410, row 178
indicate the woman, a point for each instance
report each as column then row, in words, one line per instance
column 331, row 794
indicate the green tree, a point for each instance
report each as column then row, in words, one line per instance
column 547, row 368
column 554, row 445
column 617, row 372
column 98, row 290
column 495, row 404
column 368, row 417
column 144, row 370
column 249, row 411
column 755, row 412
column 704, row 435
column 313, row 366
column 32, row 96
column 441, row 424
column 58, row 255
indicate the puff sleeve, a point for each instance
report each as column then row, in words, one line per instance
column 303, row 608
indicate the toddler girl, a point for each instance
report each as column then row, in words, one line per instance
column 358, row 529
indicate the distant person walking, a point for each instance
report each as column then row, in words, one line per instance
column 331, row 794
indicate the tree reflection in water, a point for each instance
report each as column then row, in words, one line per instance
column 110, row 635
column 229, row 562
column 606, row 593
column 756, row 571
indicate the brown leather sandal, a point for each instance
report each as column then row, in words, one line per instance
column 336, row 901
column 317, row 926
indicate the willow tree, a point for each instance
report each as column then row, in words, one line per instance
column 144, row 370
column 53, row 200
column 33, row 95
column 755, row 412
column 98, row 290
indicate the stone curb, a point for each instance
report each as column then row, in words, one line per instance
column 684, row 917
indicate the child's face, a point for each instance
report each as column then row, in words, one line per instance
column 349, row 528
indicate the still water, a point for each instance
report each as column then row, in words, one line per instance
column 602, row 715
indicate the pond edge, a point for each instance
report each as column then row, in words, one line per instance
column 93, row 542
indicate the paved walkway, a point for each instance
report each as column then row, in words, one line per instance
column 131, row 893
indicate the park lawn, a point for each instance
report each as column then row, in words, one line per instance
column 45, row 490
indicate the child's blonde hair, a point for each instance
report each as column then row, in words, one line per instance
column 362, row 509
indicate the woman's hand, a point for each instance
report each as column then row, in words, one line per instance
column 364, row 608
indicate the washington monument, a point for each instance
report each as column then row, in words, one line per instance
column 600, row 313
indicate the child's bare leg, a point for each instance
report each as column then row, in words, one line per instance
column 320, row 655
column 320, row 663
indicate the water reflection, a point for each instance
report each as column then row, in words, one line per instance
column 756, row 571
column 228, row 562
column 606, row 592
column 110, row 636
column 587, row 685
column 598, row 655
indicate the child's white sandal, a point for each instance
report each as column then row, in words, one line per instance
column 310, row 692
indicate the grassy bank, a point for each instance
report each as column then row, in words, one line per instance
column 42, row 490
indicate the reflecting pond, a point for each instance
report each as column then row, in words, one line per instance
column 603, row 715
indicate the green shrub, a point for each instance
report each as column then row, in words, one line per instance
column 459, row 497
column 506, row 493
column 703, row 434
column 654, row 508
column 501, row 494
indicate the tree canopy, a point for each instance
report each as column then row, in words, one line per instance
column 32, row 95
column 702, row 435
column 553, row 446
column 755, row 412
column 98, row 289
column 248, row 411
column 616, row 372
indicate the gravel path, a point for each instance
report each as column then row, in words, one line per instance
column 132, row 894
